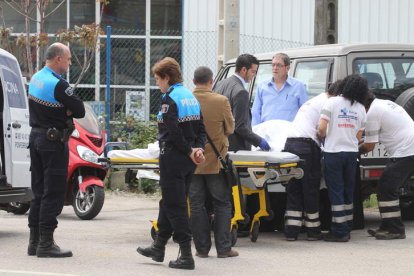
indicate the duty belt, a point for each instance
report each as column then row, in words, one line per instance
column 53, row 134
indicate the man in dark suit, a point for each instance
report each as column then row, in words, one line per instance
column 235, row 89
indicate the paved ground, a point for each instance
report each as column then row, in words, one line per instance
column 107, row 244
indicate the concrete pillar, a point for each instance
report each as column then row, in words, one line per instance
column 326, row 22
column 228, row 31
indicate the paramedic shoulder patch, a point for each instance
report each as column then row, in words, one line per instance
column 164, row 108
column 69, row 91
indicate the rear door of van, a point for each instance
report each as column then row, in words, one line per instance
column 15, row 124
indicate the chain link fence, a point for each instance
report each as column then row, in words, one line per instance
column 133, row 91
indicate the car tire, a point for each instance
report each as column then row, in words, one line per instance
column 406, row 100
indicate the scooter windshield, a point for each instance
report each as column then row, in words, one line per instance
column 90, row 122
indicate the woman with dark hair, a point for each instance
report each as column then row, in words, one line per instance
column 341, row 124
column 181, row 136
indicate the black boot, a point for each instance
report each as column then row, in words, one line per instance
column 185, row 259
column 33, row 241
column 156, row 251
column 48, row 248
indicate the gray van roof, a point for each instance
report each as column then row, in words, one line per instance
column 334, row 50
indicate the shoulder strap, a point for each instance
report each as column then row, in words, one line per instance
column 217, row 152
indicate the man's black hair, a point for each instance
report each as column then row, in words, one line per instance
column 202, row 75
column 245, row 60
column 370, row 99
column 354, row 88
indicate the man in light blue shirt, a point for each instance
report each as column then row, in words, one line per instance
column 281, row 96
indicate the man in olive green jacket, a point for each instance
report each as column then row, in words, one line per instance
column 208, row 177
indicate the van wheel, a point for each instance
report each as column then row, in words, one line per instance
column 89, row 205
column 406, row 100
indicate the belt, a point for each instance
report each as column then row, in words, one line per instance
column 39, row 130
column 301, row 139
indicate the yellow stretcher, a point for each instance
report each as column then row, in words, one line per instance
column 261, row 169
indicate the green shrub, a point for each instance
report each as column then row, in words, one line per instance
column 371, row 201
column 143, row 133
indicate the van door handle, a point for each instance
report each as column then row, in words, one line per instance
column 16, row 125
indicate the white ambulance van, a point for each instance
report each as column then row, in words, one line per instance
column 14, row 137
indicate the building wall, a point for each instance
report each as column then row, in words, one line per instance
column 286, row 20
column 376, row 21
column 261, row 23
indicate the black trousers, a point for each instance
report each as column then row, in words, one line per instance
column 214, row 185
column 49, row 169
column 303, row 194
column 176, row 170
column 395, row 174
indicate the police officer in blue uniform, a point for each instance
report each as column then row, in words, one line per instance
column 181, row 135
column 52, row 105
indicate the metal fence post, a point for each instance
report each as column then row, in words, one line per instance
column 108, row 82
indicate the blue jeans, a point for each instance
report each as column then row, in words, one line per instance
column 219, row 190
column 340, row 170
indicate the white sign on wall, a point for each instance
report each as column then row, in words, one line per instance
column 135, row 104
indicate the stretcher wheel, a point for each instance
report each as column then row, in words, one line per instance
column 254, row 234
column 270, row 216
column 233, row 234
column 154, row 233
column 246, row 219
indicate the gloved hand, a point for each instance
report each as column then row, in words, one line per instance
column 264, row 146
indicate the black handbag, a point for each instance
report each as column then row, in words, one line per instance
column 227, row 164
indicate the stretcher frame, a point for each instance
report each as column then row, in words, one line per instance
column 262, row 174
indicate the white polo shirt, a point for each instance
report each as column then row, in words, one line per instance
column 306, row 120
column 344, row 122
column 389, row 124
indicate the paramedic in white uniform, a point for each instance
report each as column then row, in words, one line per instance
column 389, row 124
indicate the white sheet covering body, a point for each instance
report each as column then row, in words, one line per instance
column 275, row 132
column 263, row 156
column 151, row 152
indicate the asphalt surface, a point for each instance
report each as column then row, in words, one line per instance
column 107, row 245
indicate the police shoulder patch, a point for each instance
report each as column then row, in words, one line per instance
column 69, row 91
column 164, row 108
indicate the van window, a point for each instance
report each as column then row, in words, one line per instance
column 229, row 72
column 313, row 74
column 12, row 85
column 263, row 73
column 387, row 77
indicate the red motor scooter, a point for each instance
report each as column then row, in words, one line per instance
column 85, row 189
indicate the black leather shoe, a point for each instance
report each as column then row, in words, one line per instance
column 201, row 254
column 47, row 247
column 389, row 236
column 314, row 237
column 373, row 232
column 330, row 237
column 185, row 258
column 156, row 254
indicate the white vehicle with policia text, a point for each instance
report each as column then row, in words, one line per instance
column 15, row 190
column 389, row 70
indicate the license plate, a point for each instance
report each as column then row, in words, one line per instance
column 378, row 152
